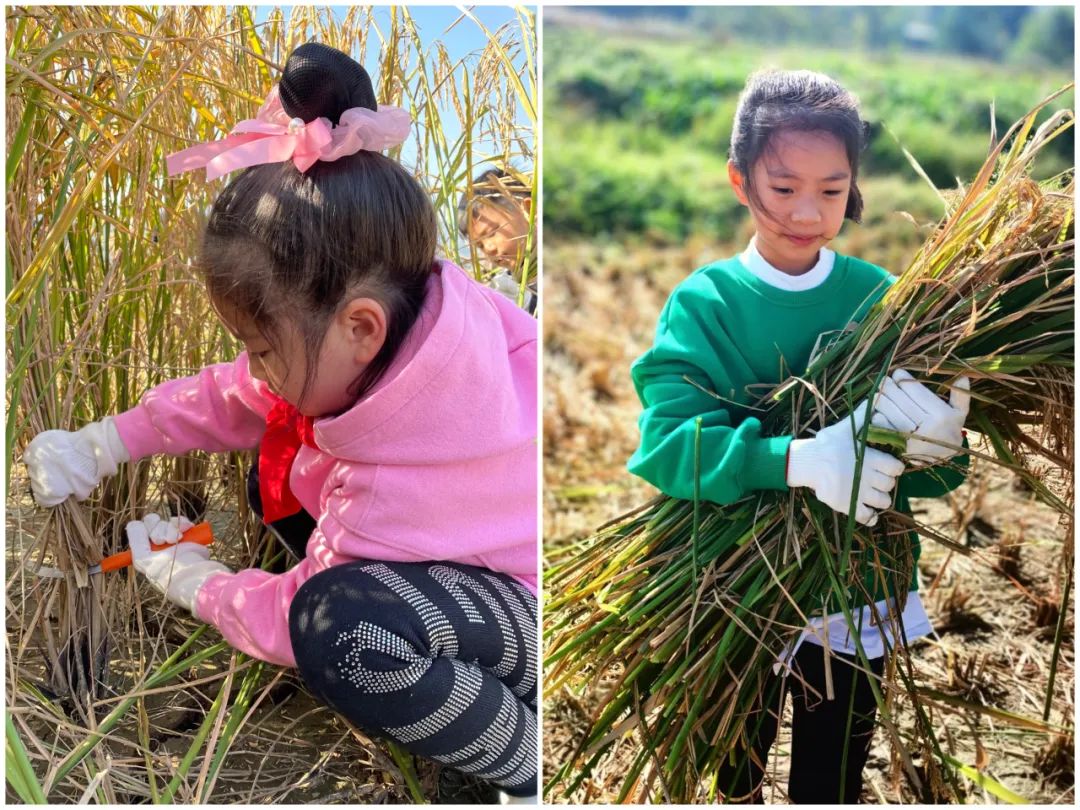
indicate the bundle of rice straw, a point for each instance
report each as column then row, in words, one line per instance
column 694, row 601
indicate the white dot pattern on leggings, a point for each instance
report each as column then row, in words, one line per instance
column 527, row 597
column 443, row 639
column 522, row 766
column 367, row 637
column 452, row 580
column 464, row 690
column 513, row 726
column 528, row 631
column 493, row 743
column 455, row 582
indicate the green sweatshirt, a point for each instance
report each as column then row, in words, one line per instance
column 735, row 335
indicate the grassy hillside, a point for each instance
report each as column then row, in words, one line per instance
column 637, row 129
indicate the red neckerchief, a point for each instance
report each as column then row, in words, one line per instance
column 286, row 429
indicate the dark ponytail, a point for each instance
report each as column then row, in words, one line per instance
column 281, row 243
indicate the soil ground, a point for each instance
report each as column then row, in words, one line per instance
column 993, row 609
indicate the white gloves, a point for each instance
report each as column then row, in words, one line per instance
column 164, row 531
column 936, row 426
column 826, row 464
column 178, row 572
column 63, row 463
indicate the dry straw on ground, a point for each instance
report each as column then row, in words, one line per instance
column 112, row 695
column 685, row 605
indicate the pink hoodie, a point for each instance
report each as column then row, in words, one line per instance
column 437, row 462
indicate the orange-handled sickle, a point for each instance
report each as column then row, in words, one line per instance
column 200, row 533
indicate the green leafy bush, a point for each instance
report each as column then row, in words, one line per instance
column 637, row 129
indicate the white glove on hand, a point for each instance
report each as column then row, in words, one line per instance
column 906, row 405
column 178, row 572
column 166, row 531
column 63, row 463
column 826, row 464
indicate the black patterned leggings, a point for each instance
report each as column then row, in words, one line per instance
column 439, row 657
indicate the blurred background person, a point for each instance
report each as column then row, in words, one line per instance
column 496, row 217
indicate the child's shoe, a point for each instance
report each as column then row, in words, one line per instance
column 506, row 798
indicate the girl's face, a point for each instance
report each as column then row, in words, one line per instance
column 500, row 233
column 355, row 335
column 801, row 185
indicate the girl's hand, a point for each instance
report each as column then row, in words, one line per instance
column 165, row 531
column 178, row 572
column 826, row 464
column 63, row 463
column 935, row 426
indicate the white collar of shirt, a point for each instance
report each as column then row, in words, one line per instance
column 813, row 277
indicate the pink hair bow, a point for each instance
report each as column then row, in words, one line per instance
column 271, row 137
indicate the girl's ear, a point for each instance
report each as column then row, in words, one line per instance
column 363, row 321
column 738, row 183
column 526, row 206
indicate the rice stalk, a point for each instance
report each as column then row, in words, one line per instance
column 104, row 302
column 20, row 774
column 990, row 296
column 403, row 760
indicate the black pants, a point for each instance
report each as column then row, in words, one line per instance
column 819, row 729
column 293, row 531
column 439, row 657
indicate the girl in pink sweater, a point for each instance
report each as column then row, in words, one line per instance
column 393, row 401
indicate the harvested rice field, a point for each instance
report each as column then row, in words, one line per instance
column 994, row 606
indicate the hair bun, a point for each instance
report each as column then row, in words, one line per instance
column 322, row 82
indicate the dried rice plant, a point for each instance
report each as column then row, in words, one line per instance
column 112, row 695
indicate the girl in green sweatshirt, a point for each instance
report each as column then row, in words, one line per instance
column 736, row 328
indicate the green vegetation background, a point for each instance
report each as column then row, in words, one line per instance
column 637, row 123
